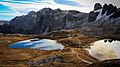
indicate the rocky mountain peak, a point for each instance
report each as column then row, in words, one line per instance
column 105, row 12
column 97, row 6
column 105, row 7
column 45, row 10
column 32, row 13
column 111, row 9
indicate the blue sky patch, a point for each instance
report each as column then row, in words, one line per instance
column 5, row 11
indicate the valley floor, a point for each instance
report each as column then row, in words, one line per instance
column 73, row 55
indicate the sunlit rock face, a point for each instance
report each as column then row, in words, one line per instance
column 105, row 49
column 44, row 44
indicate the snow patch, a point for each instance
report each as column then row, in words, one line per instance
column 99, row 15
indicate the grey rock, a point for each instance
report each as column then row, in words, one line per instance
column 92, row 16
column 47, row 20
column 97, row 6
column 46, row 60
column 24, row 24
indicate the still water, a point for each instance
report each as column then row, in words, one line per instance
column 105, row 49
column 44, row 44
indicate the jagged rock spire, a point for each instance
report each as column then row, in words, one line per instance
column 97, row 6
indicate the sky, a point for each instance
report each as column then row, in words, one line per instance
column 11, row 8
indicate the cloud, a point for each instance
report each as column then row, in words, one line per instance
column 25, row 1
column 10, row 9
column 67, row 2
column 22, row 7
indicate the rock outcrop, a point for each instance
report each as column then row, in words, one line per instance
column 5, row 28
column 107, row 63
column 97, row 6
column 24, row 24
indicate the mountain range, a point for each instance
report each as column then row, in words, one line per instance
column 47, row 20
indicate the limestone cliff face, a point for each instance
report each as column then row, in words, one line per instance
column 47, row 20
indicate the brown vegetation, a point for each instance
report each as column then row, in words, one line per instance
column 73, row 55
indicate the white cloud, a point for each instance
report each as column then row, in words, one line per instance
column 22, row 9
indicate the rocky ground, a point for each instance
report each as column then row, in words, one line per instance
column 73, row 55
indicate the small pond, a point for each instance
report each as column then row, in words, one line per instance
column 105, row 49
column 44, row 44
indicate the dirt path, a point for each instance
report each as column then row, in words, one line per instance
column 82, row 55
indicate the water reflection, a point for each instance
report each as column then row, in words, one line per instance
column 44, row 44
column 109, row 40
column 105, row 49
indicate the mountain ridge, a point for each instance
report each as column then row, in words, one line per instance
column 48, row 20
